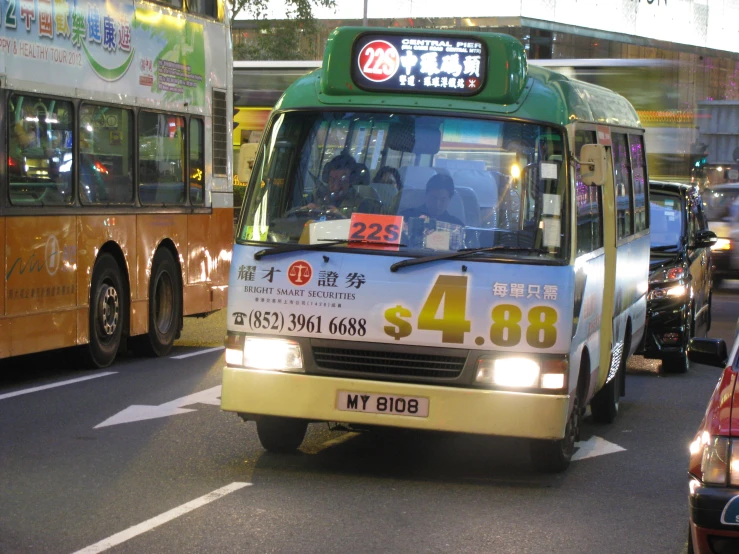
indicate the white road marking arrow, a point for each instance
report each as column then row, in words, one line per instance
column 595, row 446
column 175, row 407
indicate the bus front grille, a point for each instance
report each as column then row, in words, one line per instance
column 379, row 362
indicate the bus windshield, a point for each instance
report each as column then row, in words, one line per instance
column 445, row 183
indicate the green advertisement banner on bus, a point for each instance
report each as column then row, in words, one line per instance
column 118, row 48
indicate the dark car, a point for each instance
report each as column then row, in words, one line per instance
column 680, row 279
column 714, row 456
column 721, row 204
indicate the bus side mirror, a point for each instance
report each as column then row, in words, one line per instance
column 593, row 164
column 247, row 156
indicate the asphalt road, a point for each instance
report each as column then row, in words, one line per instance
column 195, row 479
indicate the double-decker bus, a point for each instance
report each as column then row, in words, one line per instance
column 438, row 236
column 115, row 173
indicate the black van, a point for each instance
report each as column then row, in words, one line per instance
column 680, row 279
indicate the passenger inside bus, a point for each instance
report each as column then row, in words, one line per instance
column 439, row 192
column 38, row 154
column 345, row 189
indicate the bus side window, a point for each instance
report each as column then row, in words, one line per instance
column 40, row 151
column 161, row 159
column 639, row 173
column 589, row 203
column 106, row 155
column 624, row 190
column 197, row 162
column 208, row 8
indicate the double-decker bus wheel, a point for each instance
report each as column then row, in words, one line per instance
column 108, row 303
column 165, row 306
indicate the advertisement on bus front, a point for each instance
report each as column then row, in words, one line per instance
column 475, row 305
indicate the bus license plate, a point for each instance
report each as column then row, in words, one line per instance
column 382, row 404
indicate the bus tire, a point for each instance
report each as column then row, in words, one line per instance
column 554, row 456
column 281, row 435
column 604, row 405
column 108, row 306
column 165, row 306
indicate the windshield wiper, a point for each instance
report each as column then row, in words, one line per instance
column 664, row 248
column 466, row 252
column 282, row 248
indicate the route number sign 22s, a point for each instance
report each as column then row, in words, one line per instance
column 378, row 61
column 449, row 296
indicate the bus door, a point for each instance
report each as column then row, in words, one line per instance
column 40, row 239
column 608, row 336
column 590, row 259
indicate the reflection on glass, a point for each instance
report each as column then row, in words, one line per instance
column 161, row 159
column 106, row 155
column 40, row 151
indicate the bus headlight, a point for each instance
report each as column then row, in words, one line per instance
column 514, row 372
column 523, row 372
column 269, row 354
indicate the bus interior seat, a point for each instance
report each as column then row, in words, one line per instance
column 485, row 187
column 482, row 182
column 471, row 206
column 368, row 193
column 414, row 198
column 386, row 193
column 416, row 177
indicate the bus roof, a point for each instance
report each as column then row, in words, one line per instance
column 488, row 74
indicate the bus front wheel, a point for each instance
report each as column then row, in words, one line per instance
column 281, row 434
column 108, row 304
column 165, row 306
column 554, row 456
column 604, row 405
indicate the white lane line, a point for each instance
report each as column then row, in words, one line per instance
column 161, row 519
column 53, row 385
column 191, row 354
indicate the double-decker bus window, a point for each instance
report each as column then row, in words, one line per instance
column 208, row 8
column 161, row 159
column 40, row 151
column 197, row 162
column 624, row 190
column 106, row 155
column 177, row 4
column 638, row 171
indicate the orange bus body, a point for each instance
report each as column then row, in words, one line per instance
column 45, row 296
column 116, row 197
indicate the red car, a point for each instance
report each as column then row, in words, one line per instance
column 714, row 456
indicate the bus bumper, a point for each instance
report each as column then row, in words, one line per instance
column 312, row 397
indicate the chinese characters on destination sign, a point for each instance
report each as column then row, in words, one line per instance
column 398, row 63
